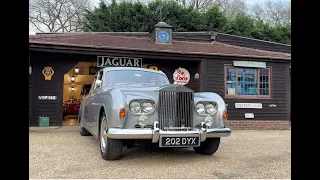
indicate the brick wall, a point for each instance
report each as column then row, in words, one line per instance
column 258, row 124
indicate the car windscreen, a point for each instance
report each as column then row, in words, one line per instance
column 135, row 77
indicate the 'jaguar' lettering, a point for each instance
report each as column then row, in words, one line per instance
column 103, row 61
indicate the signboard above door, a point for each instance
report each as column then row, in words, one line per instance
column 107, row 61
column 250, row 64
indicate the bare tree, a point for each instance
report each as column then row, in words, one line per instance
column 200, row 4
column 278, row 12
column 57, row 15
column 274, row 13
column 258, row 12
column 230, row 8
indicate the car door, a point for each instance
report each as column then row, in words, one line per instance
column 97, row 102
column 88, row 105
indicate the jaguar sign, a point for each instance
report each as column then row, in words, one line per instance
column 105, row 61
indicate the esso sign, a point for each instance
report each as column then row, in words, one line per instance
column 181, row 76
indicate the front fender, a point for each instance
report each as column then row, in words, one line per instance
column 219, row 121
column 113, row 101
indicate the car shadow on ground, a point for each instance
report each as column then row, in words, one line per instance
column 163, row 153
column 178, row 154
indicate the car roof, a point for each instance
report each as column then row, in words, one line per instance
column 106, row 69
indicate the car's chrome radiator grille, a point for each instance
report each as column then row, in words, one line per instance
column 176, row 109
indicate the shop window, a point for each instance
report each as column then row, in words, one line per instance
column 247, row 82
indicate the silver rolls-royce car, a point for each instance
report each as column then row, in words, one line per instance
column 129, row 106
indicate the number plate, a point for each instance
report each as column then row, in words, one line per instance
column 166, row 141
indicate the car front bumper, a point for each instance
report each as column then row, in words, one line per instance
column 154, row 134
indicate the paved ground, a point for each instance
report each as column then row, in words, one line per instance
column 63, row 153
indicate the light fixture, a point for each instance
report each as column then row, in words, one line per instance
column 73, row 78
column 76, row 70
column 72, row 89
column 196, row 76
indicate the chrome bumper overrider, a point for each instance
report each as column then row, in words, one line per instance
column 154, row 134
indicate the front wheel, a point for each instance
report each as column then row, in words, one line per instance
column 111, row 149
column 208, row 147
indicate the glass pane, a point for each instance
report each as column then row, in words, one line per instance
column 231, row 81
column 264, row 82
column 135, row 77
column 247, row 81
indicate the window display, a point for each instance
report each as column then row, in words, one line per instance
column 247, row 81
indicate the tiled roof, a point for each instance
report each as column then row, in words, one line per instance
column 97, row 40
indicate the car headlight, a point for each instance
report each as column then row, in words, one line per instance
column 210, row 109
column 135, row 106
column 142, row 106
column 147, row 107
column 200, row 108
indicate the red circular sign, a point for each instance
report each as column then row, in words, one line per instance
column 181, row 76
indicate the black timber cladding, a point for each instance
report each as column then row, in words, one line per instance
column 214, row 82
column 54, row 87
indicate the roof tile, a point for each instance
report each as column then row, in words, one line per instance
column 144, row 44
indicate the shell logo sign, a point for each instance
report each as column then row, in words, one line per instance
column 181, row 76
column 47, row 73
column 153, row 68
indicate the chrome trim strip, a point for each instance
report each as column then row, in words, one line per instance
column 223, row 132
column 154, row 134
column 116, row 133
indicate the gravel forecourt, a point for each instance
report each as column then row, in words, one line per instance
column 247, row 154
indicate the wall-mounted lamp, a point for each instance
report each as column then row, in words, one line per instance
column 196, row 76
column 76, row 70
column 73, row 78
column 72, row 89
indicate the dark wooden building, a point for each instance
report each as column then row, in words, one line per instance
column 252, row 76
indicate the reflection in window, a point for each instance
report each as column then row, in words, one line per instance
column 135, row 77
column 247, row 81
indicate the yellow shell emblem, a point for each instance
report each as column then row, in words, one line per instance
column 153, row 68
column 47, row 72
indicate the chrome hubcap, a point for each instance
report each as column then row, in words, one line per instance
column 103, row 138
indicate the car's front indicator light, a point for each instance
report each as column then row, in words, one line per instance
column 225, row 115
column 122, row 113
